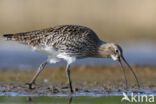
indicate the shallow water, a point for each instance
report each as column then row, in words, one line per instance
column 61, row 100
column 67, row 100
column 93, row 97
column 13, row 55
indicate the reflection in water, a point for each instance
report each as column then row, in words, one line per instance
column 70, row 99
column 61, row 100
column 29, row 99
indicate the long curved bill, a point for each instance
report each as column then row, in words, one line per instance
column 130, row 70
column 124, row 72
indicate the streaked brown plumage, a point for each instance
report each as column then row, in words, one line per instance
column 68, row 42
column 66, row 38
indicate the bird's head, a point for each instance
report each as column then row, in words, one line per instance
column 114, row 51
column 110, row 50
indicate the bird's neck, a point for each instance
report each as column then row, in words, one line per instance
column 103, row 50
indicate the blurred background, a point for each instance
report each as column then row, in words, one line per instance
column 130, row 23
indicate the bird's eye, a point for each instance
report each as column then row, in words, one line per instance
column 116, row 51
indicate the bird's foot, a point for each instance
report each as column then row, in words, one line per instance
column 31, row 85
column 65, row 87
column 71, row 91
column 68, row 87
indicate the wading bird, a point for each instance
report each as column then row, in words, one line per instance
column 68, row 42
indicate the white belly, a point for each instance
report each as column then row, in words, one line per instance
column 54, row 56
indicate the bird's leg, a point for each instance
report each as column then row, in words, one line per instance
column 40, row 69
column 68, row 76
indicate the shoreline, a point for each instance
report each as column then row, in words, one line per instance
column 86, row 80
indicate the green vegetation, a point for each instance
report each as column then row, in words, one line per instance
column 64, row 100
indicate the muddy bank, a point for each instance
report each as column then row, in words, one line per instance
column 20, row 89
column 86, row 80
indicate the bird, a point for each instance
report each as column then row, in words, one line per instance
column 69, row 43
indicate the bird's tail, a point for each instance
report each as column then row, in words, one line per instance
column 9, row 36
column 19, row 37
column 13, row 37
column 32, row 37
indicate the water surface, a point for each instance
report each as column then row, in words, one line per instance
column 14, row 55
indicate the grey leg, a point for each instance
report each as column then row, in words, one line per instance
column 40, row 69
column 68, row 76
